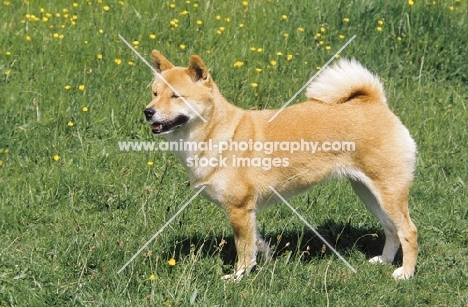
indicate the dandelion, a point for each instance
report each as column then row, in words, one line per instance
column 8, row 53
column 278, row 237
column 195, row 5
column 218, row 17
column 81, row 87
column 227, row 19
column 171, row 262
column 253, row 49
column 259, row 50
column 380, row 22
column 182, row 46
column 379, row 29
column 1, row 162
column 135, row 43
column 317, row 35
column 99, row 56
column 279, row 53
column 273, row 63
column 321, row 43
column 8, row 72
column 131, row 63
column 152, row 277
column 410, row 2
column 258, row 69
column 322, row 29
column 67, row 87
column 327, row 47
column 172, row 5
column 75, row 4
column 84, row 109
column 238, row 64
column 346, row 19
column 150, row 163
column 289, row 57
column 341, row 36
column 152, row 36
column 70, row 124
column 399, row 38
column 45, row 19
column 241, row 25
column 118, row 61
column 300, row 29
column 285, row 35
column 183, row 13
column 199, row 22
column 28, row 38
column 56, row 158
column 245, row 3
column 337, row 56
column 451, row 8
column 106, row 8
column 101, row 31
column 254, row 85
column 284, row 17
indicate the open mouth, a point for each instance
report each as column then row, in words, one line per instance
column 169, row 126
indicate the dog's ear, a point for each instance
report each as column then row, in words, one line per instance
column 160, row 63
column 198, row 71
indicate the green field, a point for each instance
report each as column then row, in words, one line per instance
column 74, row 208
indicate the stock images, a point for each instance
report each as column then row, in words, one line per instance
column 233, row 153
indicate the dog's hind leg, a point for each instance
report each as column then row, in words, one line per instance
column 392, row 210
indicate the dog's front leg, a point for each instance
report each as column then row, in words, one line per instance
column 242, row 219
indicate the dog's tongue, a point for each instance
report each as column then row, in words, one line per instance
column 156, row 127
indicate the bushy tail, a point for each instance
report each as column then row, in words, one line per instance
column 344, row 81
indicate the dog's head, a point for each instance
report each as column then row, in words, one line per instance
column 180, row 95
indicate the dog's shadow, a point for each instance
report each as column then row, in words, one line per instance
column 303, row 245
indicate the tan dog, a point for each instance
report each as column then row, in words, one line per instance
column 345, row 129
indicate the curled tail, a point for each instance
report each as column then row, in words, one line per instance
column 344, row 81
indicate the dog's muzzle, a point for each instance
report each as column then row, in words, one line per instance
column 163, row 127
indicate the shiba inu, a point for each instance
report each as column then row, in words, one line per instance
column 346, row 105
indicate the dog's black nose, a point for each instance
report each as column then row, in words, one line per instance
column 149, row 112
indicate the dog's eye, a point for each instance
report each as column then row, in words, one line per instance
column 175, row 96
column 155, row 94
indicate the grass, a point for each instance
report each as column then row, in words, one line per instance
column 74, row 209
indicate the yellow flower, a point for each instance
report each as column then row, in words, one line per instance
column 273, row 63
column 152, row 36
column 253, row 85
column 279, row 53
column 85, row 109
column 172, row 5
column 289, row 57
column 28, row 38
column 245, row 3
column 1, row 162
column 8, row 53
column 346, row 19
column 152, row 277
column 75, row 4
column 379, row 29
column 67, row 87
column 135, row 43
column 70, row 124
column 258, row 69
column 380, row 22
column 81, row 87
column 56, row 158
column 451, row 8
column 341, row 36
column 300, row 29
column 195, row 5
column 182, row 46
column 259, row 50
column 322, row 29
column 238, row 64
column 410, row 2
column 99, row 56
column 185, row 12
column 118, row 61
column 327, row 47
column 101, row 31
column 171, row 262
column 241, row 25
column 218, row 17
column 285, row 34
column 150, row 163
column 199, row 22
column 399, row 38
column 106, row 8
column 253, row 48
column 284, row 17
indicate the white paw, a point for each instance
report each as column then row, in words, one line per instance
column 236, row 276
column 401, row 274
column 379, row 259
